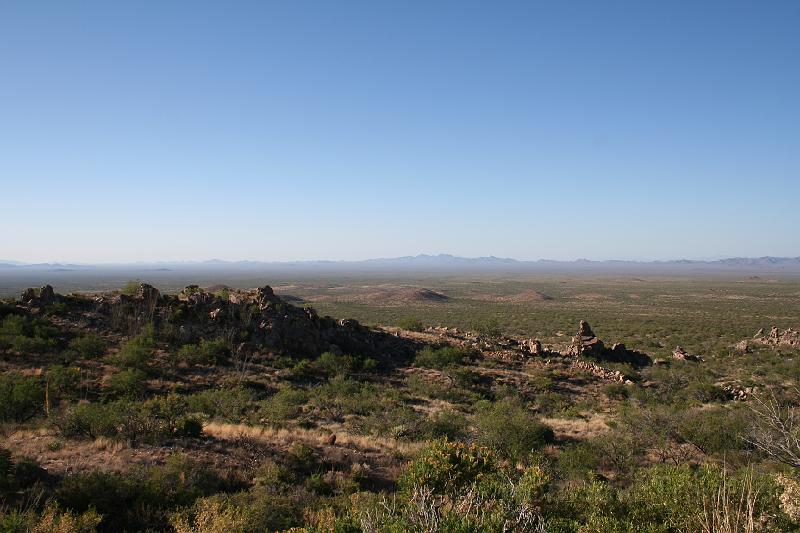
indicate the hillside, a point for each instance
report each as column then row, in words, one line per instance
column 232, row 409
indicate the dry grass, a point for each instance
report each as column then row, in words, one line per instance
column 578, row 428
column 313, row 437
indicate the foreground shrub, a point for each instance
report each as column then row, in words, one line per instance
column 63, row 382
column 446, row 468
column 21, row 397
column 143, row 499
column 286, row 404
column 25, row 335
column 508, row 427
column 226, row 404
column 151, row 421
column 51, row 520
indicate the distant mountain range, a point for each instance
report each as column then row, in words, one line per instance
column 437, row 263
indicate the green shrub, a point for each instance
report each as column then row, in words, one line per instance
column 448, row 468
column 284, row 405
column 489, row 328
column 616, row 391
column 342, row 396
column 88, row 346
column 21, row 397
column 63, row 382
column 441, row 357
column 143, row 499
column 508, row 427
column 316, row 484
column 411, row 324
column 26, row 335
column 705, row 392
column 448, row 424
column 205, row 353
column 90, row 420
column 150, row 421
column 231, row 404
column 129, row 383
column 51, row 520
column 137, row 352
column 131, row 287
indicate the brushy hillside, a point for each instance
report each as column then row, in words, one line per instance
column 234, row 410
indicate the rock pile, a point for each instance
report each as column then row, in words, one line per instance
column 776, row 337
column 586, row 343
column 37, row 298
column 682, row 355
column 602, row 373
column 739, row 394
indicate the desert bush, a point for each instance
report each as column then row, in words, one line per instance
column 51, row 520
column 207, row 352
column 131, row 287
column 616, row 391
column 342, row 396
column 508, row 427
column 715, row 431
column 286, row 404
column 21, row 397
column 441, row 357
column 128, row 383
column 438, row 389
column 209, row 515
column 231, row 404
column 447, row 468
column 143, row 499
column 90, row 420
column 397, row 421
column 63, row 382
column 88, row 346
column 138, row 351
column 488, row 328
column 27, row 335
column 705, row 392
column 411, row 324
column 242, row 512
column 448, row 424
column 152, row 421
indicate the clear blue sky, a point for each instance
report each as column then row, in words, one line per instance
column 347, row 130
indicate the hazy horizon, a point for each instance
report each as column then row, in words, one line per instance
column 212, row 260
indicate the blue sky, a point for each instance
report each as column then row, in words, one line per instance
column 349, row 130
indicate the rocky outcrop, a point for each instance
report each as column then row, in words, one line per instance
column 585, row 343
column 682, row 355
column 776, row 337
column 600, row 372
column 739, row 394
column 37, row 298
column 743, row 346
column 257, row 321
column 534, row 347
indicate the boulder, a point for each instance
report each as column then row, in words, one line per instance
column 682, row 355
column 535, row 347
column 585, row 342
